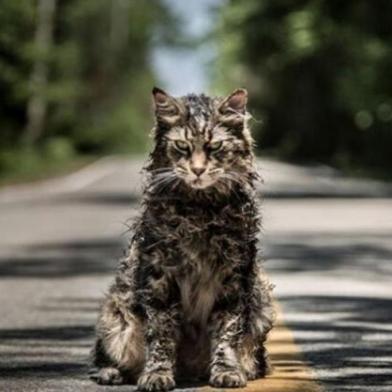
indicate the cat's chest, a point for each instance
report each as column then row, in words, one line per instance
column 199, row 228
column 200, row 279
column 200, row 286
column 205, row 248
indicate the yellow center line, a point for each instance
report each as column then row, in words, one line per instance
column 290, row 371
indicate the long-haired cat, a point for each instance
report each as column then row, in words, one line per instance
column 191, row 298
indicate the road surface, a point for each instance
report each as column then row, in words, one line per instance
column 326, row 239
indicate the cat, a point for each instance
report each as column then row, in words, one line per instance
column 191, row 299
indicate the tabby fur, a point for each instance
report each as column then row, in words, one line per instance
column 191, row 299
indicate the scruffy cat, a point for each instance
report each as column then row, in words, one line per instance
column 191, row 298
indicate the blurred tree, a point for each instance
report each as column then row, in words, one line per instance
column 320, row 76
column 75, row 75
column 16, row 29
column 37, row 104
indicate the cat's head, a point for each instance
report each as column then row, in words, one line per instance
column 201, row 141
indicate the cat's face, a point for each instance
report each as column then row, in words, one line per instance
column 205, row 141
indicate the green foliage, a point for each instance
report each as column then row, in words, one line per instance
column 99, row 78
column 319, row 73
column 27, row 162
column 16, row 25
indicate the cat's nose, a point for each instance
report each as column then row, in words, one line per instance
column 198, row 170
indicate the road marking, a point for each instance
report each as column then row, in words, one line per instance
column 70, row 183
column 290, row 374
column 89, row 174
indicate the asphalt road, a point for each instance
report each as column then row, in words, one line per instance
column 327, row 242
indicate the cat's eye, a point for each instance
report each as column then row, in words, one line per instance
column 215, row 146
column 181, row 145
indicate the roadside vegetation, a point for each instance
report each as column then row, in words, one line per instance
column 75, row 79
column 76, row 75
column 320, row 76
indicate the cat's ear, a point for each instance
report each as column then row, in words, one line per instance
column 235, row 102
column 167, row 108
column 233, row 108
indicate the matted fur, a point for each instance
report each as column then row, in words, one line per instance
column 191, row 299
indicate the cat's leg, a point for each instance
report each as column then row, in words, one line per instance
column 254, row 358
column 162, row 335
column 109, row 375
column 119, row 349
column 261, row 315
column 226, row 334
column 225, row 368
column 104, row 372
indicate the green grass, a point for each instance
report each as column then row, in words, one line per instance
column 44, row 170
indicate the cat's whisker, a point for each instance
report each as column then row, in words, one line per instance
column 160, row 176
column 162, row 173
column 230, row 178
column 182, row 171
column 161, row 169
column 216, row 171
column 160, row 184
column 235, row 177
column 163, row 180
column 171, row 182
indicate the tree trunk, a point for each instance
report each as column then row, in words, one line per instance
column 37, row 104
column 118, row 35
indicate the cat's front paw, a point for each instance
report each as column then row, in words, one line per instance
column 228, row 379
column 156, row 381
column 108, row 376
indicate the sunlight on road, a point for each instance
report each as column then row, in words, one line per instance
column 328, row 257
